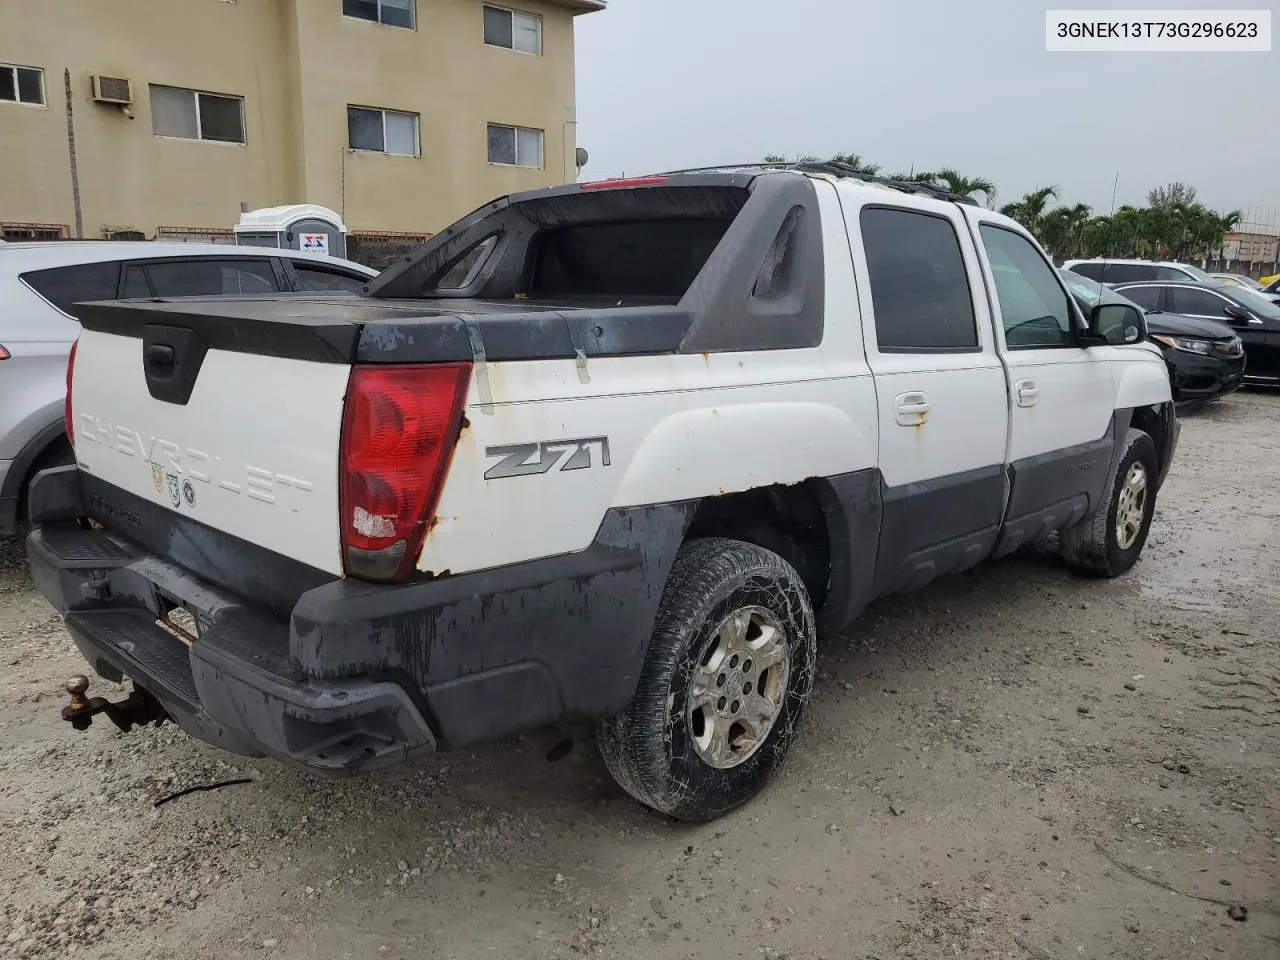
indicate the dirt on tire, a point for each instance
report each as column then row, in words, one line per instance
column 1018, row 762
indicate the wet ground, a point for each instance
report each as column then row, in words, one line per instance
column 1014, row 763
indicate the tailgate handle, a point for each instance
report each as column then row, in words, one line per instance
column 161, row 357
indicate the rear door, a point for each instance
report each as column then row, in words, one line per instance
column 1062, row 395
column 943, row 412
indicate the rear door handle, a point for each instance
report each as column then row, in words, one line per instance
column 1028, row 393
column 911, row 409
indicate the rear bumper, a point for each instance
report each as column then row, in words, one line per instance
column 357, row 676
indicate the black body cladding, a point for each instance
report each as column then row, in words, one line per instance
column 761, row 288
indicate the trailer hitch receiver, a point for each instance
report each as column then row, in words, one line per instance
column 136, row 709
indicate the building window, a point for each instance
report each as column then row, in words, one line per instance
column 194, row 115
column 515, row 146
column 384, row 131
column 392, row 13
column 513, row 30
column 22, row 85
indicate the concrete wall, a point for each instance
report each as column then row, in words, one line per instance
column 297, row 64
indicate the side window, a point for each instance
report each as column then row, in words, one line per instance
column 64, row 286
column 1172, row 273
column 1148, row 298
column 214, row 277
column 318, row 278
column 1197, row 303
column 135, row 282
column 1033, row 306
column 919, row 288
column 1092, row 270
column 1127, row 273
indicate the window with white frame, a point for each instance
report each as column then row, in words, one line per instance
column 382, row 131
column 196, row 115
column 391, row 13
column 512, row 30
column 21, row 85
column 515, row 146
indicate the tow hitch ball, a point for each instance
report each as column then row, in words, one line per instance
column 136, row 709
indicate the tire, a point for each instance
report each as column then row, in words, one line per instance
column 1095, row 545
column 658, row 748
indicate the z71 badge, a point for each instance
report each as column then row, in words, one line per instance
column 529, row 459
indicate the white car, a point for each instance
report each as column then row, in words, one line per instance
column 614, row 452
column 41, row 281
column 1125, row 271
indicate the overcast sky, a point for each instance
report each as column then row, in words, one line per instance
column 968, row 84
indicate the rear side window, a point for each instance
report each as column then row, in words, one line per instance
column 1091, row 270
column 657, row 259
column 1128, row 272
column 1146, row 297
column 319, row 279
column 919, row 287
column 1172, row 273
column 64, row 286
column 214, row 277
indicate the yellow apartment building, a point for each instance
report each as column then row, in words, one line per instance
column 164, row 116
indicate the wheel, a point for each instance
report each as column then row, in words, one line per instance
column 724, row 683
column 1109, row 543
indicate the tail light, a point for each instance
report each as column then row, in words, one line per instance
column 4, row 354
column 67, row 422
column 399, row 427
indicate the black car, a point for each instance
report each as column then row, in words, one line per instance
column 1255, row 318
column 1205, row 358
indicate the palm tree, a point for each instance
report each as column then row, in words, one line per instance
column 1062, row 230
column 1030, row 210
column 965, row 186
column 855, row 160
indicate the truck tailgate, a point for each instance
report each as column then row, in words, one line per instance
column 244, row 442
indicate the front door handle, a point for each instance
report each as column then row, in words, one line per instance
column 911, row 409
column 1028, row 393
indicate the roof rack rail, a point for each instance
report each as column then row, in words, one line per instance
column 836, row 169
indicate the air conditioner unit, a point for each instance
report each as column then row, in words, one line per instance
column 115, row 90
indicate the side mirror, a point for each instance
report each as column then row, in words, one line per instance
column 1117, row 324
column 1237, row 311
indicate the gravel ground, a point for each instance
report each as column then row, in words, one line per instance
column 1014, row 763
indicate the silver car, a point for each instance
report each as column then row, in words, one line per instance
column 39, row 283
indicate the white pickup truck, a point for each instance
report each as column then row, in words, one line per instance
column 616, row 452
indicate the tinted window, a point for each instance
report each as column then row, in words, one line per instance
column 317, row 278
column 1128, row 272
column 658, row 258
column 1173, row 273
column 919, row 288
column 1033, row 306
column 1146, row 297
column 1091, row 270
column 1197, row 303
column 212, row 278
column 135, row 282
column 64, row 286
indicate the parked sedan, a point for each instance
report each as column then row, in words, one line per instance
column 1272, row 291
column 1255, row 318
column 1205, row 358
column 1237, row 280
column 40, row 282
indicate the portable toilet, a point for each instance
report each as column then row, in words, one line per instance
column 297, row 226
